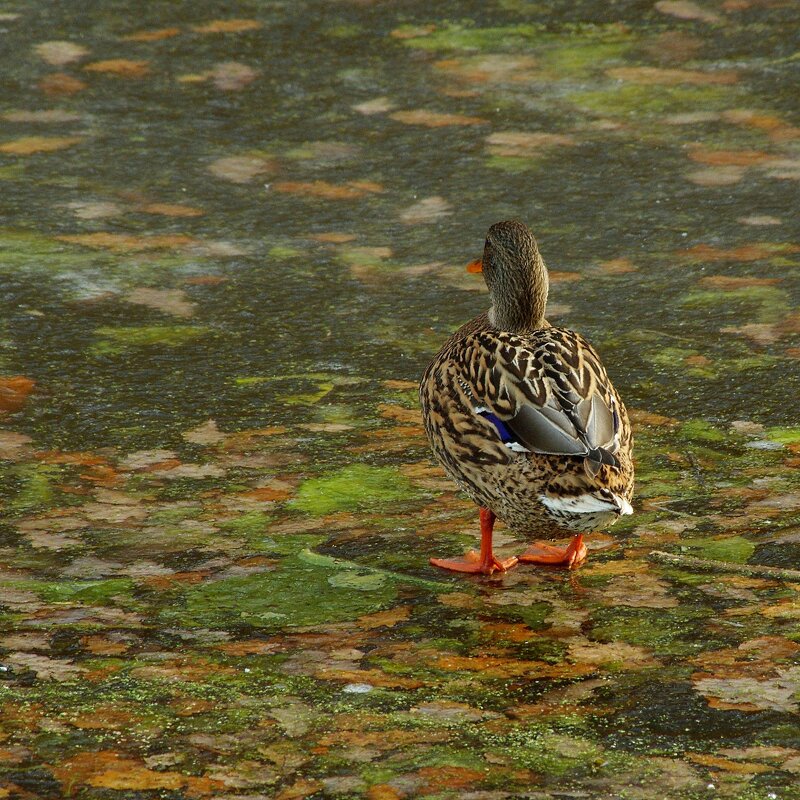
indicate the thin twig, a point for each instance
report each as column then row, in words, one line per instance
column 754, row 570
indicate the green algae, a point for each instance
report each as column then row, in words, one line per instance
column 764, row 304
column 294, row 594
column 633, row 100
column 730, row 548
column 790, row 435
column 117, row 341
column 355, row 487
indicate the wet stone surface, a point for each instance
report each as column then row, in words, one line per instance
column 232, row 237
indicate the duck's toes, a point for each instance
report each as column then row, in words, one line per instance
column 570, row 557
column 474, row 564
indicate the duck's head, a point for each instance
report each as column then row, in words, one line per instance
column 516, row 276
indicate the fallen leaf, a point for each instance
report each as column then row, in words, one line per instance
column 119, row 67
column 428, row 210
column 524, row 144
column 128, row 243
column 733, row 158
column 206, row 433
column 231, row 76
column 14, row 391
column 384, row 619
column 717, row 176
column 731, row 282
column 28, row 145
column 168, row 301
column 47, row 116
column 641, row 417
column 672, row 77
column 155, row 35
column 684, row 9
column 60, row 83
column 412, row 31
column 227, row 26
column 434, row 778
column 617, row 266
column 300, row 789
column 54, row 669
column 171, row 210
column 760, row 219
column 59, row 53
column 716, row 762
column 434, row 119
column 241, row 169
column 747, row 252
column 95, row 210
column 379, row 105
column 328, row 191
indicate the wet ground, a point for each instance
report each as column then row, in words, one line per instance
column 233, row 234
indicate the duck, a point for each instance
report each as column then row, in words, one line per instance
column 523, row 417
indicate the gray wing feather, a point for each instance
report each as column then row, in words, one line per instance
column 544, row 432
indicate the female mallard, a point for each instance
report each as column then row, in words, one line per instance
column 523, row 416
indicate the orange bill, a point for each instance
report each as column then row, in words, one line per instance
column 475, row 266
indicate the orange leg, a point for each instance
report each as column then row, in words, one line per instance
column 570, row 557
column 483, row 563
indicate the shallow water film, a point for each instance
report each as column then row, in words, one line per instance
column 233, row 235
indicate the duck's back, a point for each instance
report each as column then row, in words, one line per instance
column 530, row 426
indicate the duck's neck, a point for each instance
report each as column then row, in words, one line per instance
column 519, row 301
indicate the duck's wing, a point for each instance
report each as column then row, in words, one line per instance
column 546, row 393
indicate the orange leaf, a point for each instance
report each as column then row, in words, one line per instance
column 128, row 243
column 248, row 647
column 333, row 238
column 617, row 266
column 729, row 158
column 564, row 277
column 434, row 119
column 452, row 777
column 227, row 26
column 120, row 67
column 172, row 210
column 384, row 791
column 152, row 36
column 746, row 252
column 14, row 392
column 384, row 619
column 642, row 417
column 59, row 83
column 707, row 760
column 328, row 191
column 300, row 789
column 28, row 145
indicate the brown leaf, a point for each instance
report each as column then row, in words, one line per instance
column 400, row 413
column 128, row 243
column 384, row 791
column 685, row 9
column 152, row 35
column 171, row 210
column 617, row 266
column 716, row 762
column 241, row 169
column 642, row 417
column 727, row 283
column 452, row 777
column 732, row 158
column 207, row 433
column 14, row 391
column 717, row 176
column 60, row 83
column 231, row 76
column 60, row 53
column 28, row 145
column 227, row 26
column 672, row 77
column 333, row 237
column 384, row 619
column 103, row 646
column 301, row 788
column 557, row 276
column 328, row 191
column 412, row 31
column 47, row 116
column 526, row 144
column 747, row 252
column 168, row 301
column 119, row 67
column 434, row 119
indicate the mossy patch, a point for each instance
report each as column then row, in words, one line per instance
column 451, row 36
column 634, row 100
column 115, row 341
column 353, row 487
column 297, row 593
column 731, row 548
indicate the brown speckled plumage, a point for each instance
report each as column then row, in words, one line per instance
column 522, row 415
